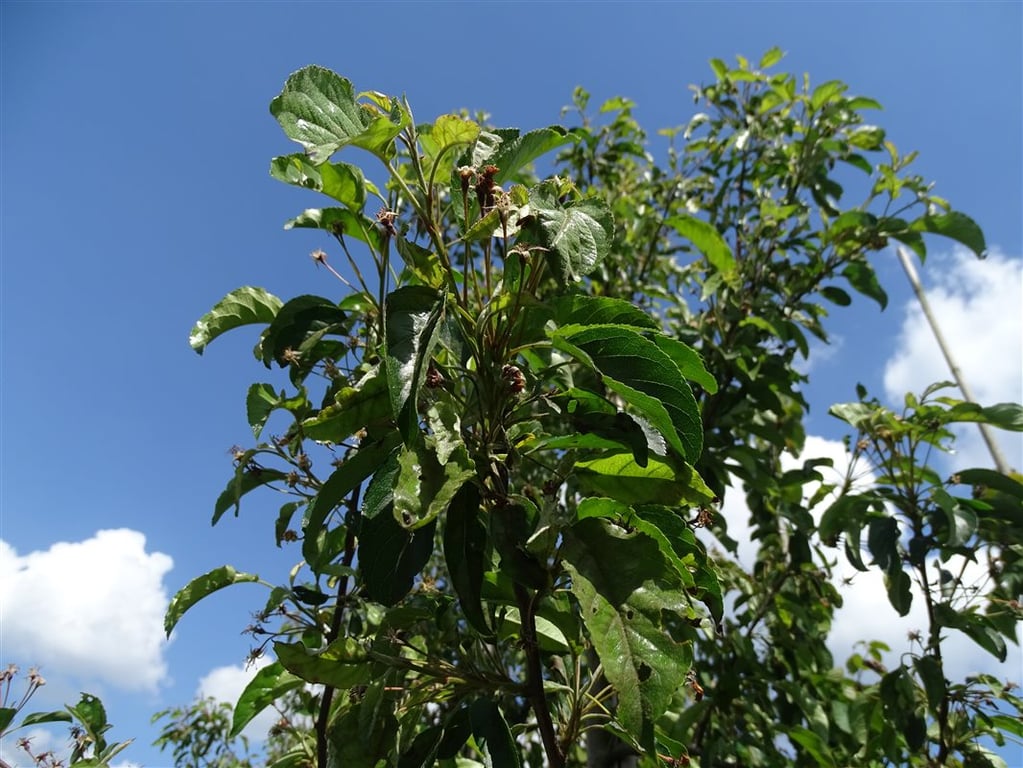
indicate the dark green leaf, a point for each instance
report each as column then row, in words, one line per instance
column 246, row 478
column 492, row 736
column 201, row 587
column 411, row 315
column 242, row 306
column 862, row 278
column 836, row 295
column 266, row 686
column 882, row 538
column 933, row 681
column 295, row 321
column 346, row 478
column 956, row 226
column 644, row 376
column 813, row 744
column 625, row 590
column 465, row 541
column 1007, row 416
column 580, row 309
column 898, row 584
column 989, row 478
column 515, row 153
column 390, row 557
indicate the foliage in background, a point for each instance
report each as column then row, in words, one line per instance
column 88, row 747
column 500, row 446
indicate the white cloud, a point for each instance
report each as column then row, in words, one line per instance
column 40, row 740
column 979, row 308
column 92, row 609
column 227, row 684
column 866, row 614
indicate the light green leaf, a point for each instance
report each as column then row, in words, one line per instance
column 578, row 233
column 318, row 109
column 813, row 744
column 441, row 142
column 199, row 588
column 1008, row 416
column 618, row 476
column 266, row 686
column 425, row 486
column 354, row 408
column 340, row 221
column 342, row 181
column 772, row 57
column 689, row 362
column 342, row 664
column 242, row 306
column 708, row 241
column 627, row 593
column 826, row 93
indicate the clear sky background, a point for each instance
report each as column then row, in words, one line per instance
column 134, row 194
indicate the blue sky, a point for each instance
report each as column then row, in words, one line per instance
column 134, row 194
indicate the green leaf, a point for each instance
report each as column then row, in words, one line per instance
column 492, row 735
column 1008, row 416
column 342, row 664
column 242, row 306
column 827, row 92
column 688, row 361
column 318, row 109
column 644, row 376
column 989, row 478
column 626, row 591
column 354, row 408
column 898, row 585
column 578, row 233
column 294, row 322
column 862, row 278
column 246, row 478
column 465, row 541
column 619, row 476
column 581, row 309
column 266, row 686
column 772, row 57
column 426, row 485
column 955, row 226
column 341, row 181
column 411, row 316
column 933, row 681
column 354, row 470
column 511, row 152
column 439, row 140
column 390, row 557
column 37, row 718
column 813, row 744
column 708, row 241
column 260, row 401
column 836, row 295
column 339, row 221
column 199, row 588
